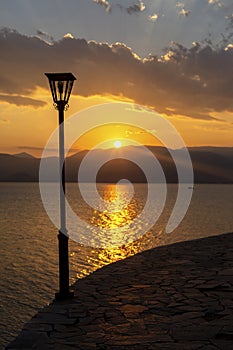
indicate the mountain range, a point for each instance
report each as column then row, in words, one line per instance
column 210, row 165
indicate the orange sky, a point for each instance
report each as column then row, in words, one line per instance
column 27, row 129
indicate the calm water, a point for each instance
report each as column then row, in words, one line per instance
column 29, row 245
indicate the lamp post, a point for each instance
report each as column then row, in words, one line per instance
column 61, row 85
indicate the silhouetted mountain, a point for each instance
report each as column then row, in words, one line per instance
column 23, row 155
column 210, row 164
column 13, row 168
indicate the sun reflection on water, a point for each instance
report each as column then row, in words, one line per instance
column 120, row 217
column 125, row 212
column 97, row 258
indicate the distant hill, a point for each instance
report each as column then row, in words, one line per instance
column 210, row 164
column 13, row 168
column 23, row 155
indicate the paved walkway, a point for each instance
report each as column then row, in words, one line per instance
column 173, row 297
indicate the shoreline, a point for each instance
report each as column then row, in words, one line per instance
column 177, row 296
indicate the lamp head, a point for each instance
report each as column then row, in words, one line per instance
column 60, row 85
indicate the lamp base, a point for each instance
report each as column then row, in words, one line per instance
column 64, row 296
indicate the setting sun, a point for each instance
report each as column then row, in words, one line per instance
column 117, row 144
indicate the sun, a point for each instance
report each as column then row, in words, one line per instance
column 117, row 144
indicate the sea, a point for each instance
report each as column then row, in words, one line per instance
column 28, row 243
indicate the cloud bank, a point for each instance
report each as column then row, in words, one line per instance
column 192, row 82
column 22, row 101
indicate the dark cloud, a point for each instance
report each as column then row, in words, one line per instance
column 182, row 11
column 44, row 36
column 41, row 33
column 216, row 2
column 55, row 150
column 4, row 121
column 32, row 148
column 192, row 82
column 22, row 101
column 136, row 8
column 103, row 3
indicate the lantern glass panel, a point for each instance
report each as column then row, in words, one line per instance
column 61, row 85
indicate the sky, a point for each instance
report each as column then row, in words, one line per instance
column 174, row 57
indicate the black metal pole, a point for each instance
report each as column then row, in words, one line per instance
column 64, row 290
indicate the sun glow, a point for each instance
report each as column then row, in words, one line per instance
column 117, row 144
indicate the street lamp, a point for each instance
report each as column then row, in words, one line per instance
column 61, row 85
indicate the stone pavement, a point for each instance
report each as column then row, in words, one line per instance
column 172, row 297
